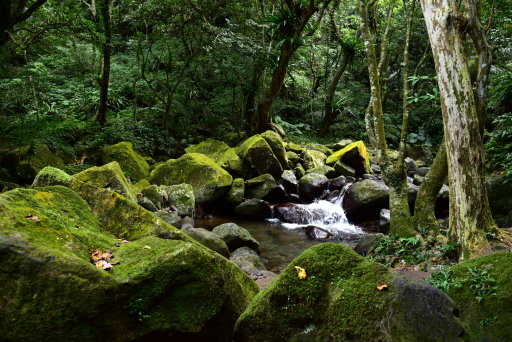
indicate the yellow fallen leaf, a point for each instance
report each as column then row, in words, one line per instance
column 301, row 273
column 147, row 247
column 381, row 287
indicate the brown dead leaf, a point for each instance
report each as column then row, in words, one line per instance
column 102, row 259
column 103, row 265
column 382, row 287
column 32, row 217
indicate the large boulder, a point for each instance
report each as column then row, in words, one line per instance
column 344, row 297
column 25, row 162
column 50, row 290
column 236, row 192
column 181, row 196
column 289, row 181
column 231, row 162
column 209, row 181
column 364, row 200
column 256, row 209
column 276, row 143
column 260, row 186
column 211, row 148
column 248, row 260
column 319, row 147
column 354, row 155
column 422, row 154
column 235, row 237
column 109, row 176
column 208, row 239
column 132, row 163
column 311, row 186
column 313, row 159
column 259, row 154
column 482, row 290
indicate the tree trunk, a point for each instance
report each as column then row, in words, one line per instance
column 470, row 216
column 101, row 114
column 5, row 21
column 424, row 208
column 330, row 114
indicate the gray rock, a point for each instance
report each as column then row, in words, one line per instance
column 369, row 242
column 154, row 195
column 236, row 193
column 170, row 217
column 254, row 209
column 260, row 186
column 364, row 200
column 411, row 165
column 384, row 220
column 343, row 169
column 208, row 239
column 187, row 222
column 422, row 171
column 181, row 196
column 147, row 204
column 289, row 181
column 235, row 237
column 311, row 186
column 313, row 159
column 248, row 261
column 299, row 171
column 421, row 153
column 325, row 170
column 499, row 190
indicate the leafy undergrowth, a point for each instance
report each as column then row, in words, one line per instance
column 394, row 251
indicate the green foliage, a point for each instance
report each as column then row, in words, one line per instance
column 444, row 280
column 499, row 145
column 137, row 308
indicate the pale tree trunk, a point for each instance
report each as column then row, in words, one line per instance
column 401, row 223
column 470, row 216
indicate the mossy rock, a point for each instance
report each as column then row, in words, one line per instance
column 211, row 148
column 109, row 176
column 490, row 318
column 49, row 289
column 276, row 143
column 260, row 156
column 313, row 159
column 132, row 163
column 136, row 188
column 209, row 181
column 364, row 200
column 51, row 176
column 208, row 239
column 236, row 192
column 154, row 194
column 339, row 300
column 354, row 155
column 235, row 237
column 293, row 147
column 325, row 170
column 236, row 166
column 182, row 197
column 25, row 162
column 320, row 148
column 260, row 186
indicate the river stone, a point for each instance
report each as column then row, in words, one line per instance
column 248, row 260
column 293, row 157
column 339, row 297
column 354, row 155
column 208, row 239
column 236, row 192
column 260, row 156
column 364, row 200
column 320, row 148
column 132, row 163
column 299, row 171
column 260, row 186
column 421, row 154
column 236, row 166
column 235, row 237
column 422, row 171
column 325, row 170
column 208, row 180
column 170, row 217
column 311, row 186
column 182, row 197
column 368, row 243
column 254, row 208
column 276, row 195
column 211, row 148
column 25, row 162
column 155, row 195
column 410, row 165
column 313, row 159
column 289, row 181
column 276, row 143
column 343, row 169
column 109, row 176
column 337, row 183
column 51, row 290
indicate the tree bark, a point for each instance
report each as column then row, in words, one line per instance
column 101, row 114
column 470, row 216
column 11, row 14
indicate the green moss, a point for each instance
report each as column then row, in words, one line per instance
column 136, row 188
column 321, row 148
column 132, row 163
column 51, row 176
column 260, row 186
column 491, row 317
column 338, row 297
column 313, row 159
column 209, row 181
column 236, row 192
column 363, row 161
column 182, row 197
column 235, row 165
column 211, row 148
column 276, row 143
column 109, row 176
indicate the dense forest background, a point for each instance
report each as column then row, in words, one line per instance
column 178, row 71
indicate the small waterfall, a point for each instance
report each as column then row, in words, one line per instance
column 327, row 215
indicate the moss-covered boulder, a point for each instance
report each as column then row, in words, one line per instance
column 162, row 288
column 320, row 148
column 154, row 194
column 260, row 186
column 25, row 162
column 132, row 163
column 235, row 236
column 182, row 197
column 51, row 176
column 311, row 186
column 211, row 148
column 209, row 181
column 236, row 166
column 109, row 176
column 208, row 239
column 260, row 156
column 354, row 155
column 236, row 192
column 276, row 143
column 364, row 200
column 293, row 147
column 325, row 170
column 482, row 290
column 313, row 159
column 254, row 208
column 339, row 300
